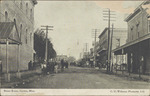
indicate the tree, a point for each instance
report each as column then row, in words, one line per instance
column 39, row 46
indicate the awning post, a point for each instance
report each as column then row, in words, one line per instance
column 18, row 75
column 7, row 75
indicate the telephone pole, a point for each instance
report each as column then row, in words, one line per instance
column 107, row 15
column 95, row 33
column 46, row 47
column 86, row 50
column 111, row 46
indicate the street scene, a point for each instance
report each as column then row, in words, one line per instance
column 75, row 44
column 85, row 78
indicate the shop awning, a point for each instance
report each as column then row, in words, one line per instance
column 145, row 37
column 8, row 30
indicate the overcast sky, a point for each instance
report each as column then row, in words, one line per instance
column 73, row 21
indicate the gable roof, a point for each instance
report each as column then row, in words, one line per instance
column 5, row 29
column 8, row 30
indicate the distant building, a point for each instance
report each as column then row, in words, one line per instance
column 21, row 13
column 119, row 38
column 60, row 57
column 137, row 47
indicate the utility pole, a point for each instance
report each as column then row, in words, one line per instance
column 108, row 16
column 86, row 50
column 86, row 47
column 46, row 47
column 111, row 47
column 95, row 36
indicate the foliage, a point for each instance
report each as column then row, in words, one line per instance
column 39, row 45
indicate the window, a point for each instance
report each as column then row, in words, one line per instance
column 14, row 20
column 137, row 28
column 27, row 8
column 21, row 4
column 20, row 31
column 30, row 37
column 31, row 14
column 131, row 34
column 138, row 34
column 26, row 36
column 6, row 16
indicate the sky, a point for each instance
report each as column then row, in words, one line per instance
column 74, row 21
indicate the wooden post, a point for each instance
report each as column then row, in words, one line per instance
column 122, row 61
column 111, row 41
column 7, row 75
column 18, row 62
column 116, row 63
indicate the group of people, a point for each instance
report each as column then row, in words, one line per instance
column 53, row 66
column 64, row 64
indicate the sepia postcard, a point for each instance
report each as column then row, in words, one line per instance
column 74, row 47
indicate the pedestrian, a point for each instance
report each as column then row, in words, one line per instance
column 62, row 65
column 30, row 65
column 48, row 67
column 56, row 67
column 53, row 66
column 34, row 66
column 66, row 64
column 0, row 66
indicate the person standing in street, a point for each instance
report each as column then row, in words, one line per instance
column 56, row 67
column 30, row 65
column 62, row 65
column 0, row 66
column 67, row 64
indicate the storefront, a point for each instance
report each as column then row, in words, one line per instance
column 138, row 55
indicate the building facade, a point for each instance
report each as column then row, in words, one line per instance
column 118, row 38
column 137, row 47
column 21, row 12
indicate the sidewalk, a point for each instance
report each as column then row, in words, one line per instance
column 132, row 76
column 26, row 77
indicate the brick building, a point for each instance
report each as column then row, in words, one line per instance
column 137, row 47
column 21, row 13
column 118, row 38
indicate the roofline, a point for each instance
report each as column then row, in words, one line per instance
column 103, row 32
column 139, row 7
column 106, row 28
